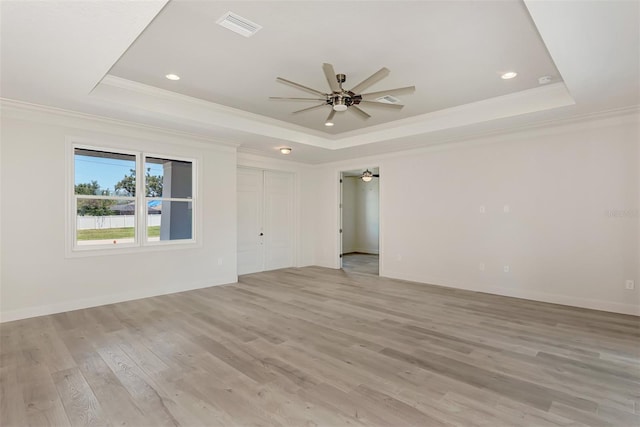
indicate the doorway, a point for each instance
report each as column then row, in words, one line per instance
column 360, row 220
column 265, row 220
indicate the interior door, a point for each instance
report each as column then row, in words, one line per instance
column 278, row 220
column 250, row 186
column 265, row 220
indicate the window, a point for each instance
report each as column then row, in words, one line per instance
column 169, row 199
column 116, row 206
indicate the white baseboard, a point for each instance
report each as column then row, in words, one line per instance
column 362, row 251
column 43, row 310
column 611, row 306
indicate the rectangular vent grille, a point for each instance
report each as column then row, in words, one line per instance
column 388, row 99
column 238, row 24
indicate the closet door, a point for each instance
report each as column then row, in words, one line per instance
column 250, row 213
column 265, row 220
column 278, row 220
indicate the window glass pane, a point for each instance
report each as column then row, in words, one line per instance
column 169, row 220
column 105, row 221
column 102, row 173
column 168, row 178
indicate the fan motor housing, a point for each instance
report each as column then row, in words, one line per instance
column 345, row 98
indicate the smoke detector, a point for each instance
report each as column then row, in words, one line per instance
column 544, row 80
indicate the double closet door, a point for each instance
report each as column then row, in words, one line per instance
column 265, row 220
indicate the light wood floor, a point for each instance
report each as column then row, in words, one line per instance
column 313, row 346
column 356, row 262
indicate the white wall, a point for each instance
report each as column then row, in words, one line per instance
column 571, row 233
column 360, row 215
column 37, row 277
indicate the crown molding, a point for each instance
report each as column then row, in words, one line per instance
column 514, row 104
column 138, row 98
column 602, row 119
column 142, row 98
column 24, row 110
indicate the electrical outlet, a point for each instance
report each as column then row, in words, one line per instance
column 506, row 268
column 481, row 266
column 399, row 257
column 219, row 261
column 506, row 209
column 482, row 209
column 630, row 285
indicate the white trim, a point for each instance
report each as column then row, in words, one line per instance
column 338, row 242
column 604, row 119
column 367, row 251
column 182, row 108
column 43, row 310
column 196, row 214
column 128, row 129
column 138, row 97
column 169, row 199
column 140, row 243
column 97, row 196
column 72, row 233
column 593, row 304
column 295, row 191
column 60, row 117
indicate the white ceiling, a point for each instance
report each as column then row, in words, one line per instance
column 453, row 52
column 59, row 53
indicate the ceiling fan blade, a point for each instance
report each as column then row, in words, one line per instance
column 374, row 78
column 295, row 99
column 299, row 86
column 359, row 111
column 309, row 108
column 398, row 91
column 382, row 104
column 330, row 116
column 330, row 74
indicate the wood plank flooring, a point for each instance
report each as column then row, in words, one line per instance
column 357, row 262
column 321, row 347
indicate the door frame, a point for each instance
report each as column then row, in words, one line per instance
column 295, row 187
column 339, row 222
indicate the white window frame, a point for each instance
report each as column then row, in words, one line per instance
column 143, row 209
column 141, row 216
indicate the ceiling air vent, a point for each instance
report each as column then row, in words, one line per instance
column 238, row 24
column 388, row 99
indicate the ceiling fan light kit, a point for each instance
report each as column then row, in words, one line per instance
column 367, row 176
column 340, row 99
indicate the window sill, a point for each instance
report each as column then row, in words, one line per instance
column 126, row 249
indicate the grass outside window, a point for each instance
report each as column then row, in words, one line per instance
column 115, row 233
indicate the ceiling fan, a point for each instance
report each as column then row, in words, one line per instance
column 368, row 175
column 341, row 99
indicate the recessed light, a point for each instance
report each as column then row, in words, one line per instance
column 328, row 123
column 173, row 77
column 509, row 75
column 285, row 150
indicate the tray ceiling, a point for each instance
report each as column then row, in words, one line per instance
column 453, row 52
